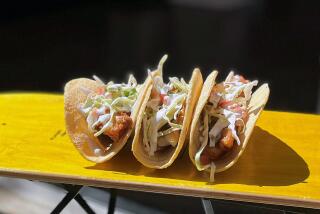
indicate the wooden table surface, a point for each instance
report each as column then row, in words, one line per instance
column 281, row 164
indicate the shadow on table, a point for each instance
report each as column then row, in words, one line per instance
column 267, row 161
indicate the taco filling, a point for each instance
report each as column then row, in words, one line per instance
column 163, row 117
column 223, row 120
column 107, row 110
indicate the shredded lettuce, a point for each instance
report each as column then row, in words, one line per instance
column 122, row 103
column 102, row 119
column 100, row 109
column 216, row 129
column 175, row 105
column 107, row 125
column 178, row 109
column 174, row 125
column 160, row 118
column 180, row 85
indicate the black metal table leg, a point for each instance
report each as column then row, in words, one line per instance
column 65, row 201
column 207, row 206
column 79, row 199
column 112, row 201
column 84, row 204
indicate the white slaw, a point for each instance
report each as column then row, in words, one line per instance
column 101, row 106
column 163, row 109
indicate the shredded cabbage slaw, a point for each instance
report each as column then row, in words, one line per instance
column 102, row 105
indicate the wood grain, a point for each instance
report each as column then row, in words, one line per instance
column 279, row 166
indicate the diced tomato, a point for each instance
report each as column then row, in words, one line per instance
column 242, row 79
column 162, row 98
column 236, row 108
column 100, row 90
column 225, row 103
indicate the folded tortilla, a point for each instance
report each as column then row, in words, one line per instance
column 199, row 136
column 92, row 147
column 159, row 148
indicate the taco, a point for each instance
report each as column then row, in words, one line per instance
column 223, row 121
column 100, row 117
column 164, row 118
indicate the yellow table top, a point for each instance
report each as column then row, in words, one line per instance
column 281, row 164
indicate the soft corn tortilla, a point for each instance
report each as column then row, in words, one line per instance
column 90, row 147
column 163, row 159
column 258, row 100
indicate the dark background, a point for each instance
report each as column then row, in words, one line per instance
column 43, row 44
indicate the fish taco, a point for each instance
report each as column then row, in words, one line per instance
column 164, row 118
column 223, row 121
column 100, row 117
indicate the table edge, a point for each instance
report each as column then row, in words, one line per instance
column 165, row 189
